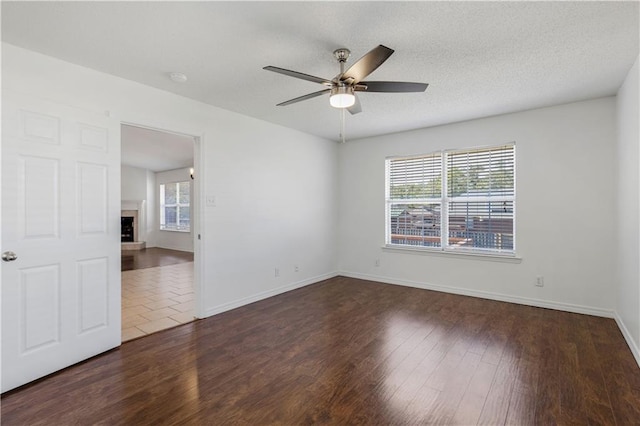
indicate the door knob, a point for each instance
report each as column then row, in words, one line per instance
column 9, row 256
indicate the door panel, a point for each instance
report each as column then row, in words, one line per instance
column 38, row 191
column 93, row 190
column 93, row 293
column 40, row 303
column 40, row 127
column 61, row 216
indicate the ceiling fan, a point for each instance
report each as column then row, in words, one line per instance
column 343, row 87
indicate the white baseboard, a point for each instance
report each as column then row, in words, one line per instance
column 176, row 248
column 599, row 312
column 265, row 294
column 627, row 336
column 567, row 307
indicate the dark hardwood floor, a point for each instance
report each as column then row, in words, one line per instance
column 347, row 351
column 152, row 257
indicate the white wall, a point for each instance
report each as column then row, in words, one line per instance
column 171, row 239
column 152, row 212
column 133, row 195
column 133, row 183
column 275, row 188
column 564, row 214
column 628, row 217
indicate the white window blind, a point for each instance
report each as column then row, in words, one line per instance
column 453, row 200
column 415, row 200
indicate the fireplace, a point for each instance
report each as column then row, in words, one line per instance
column 131, row 223
column 126, row 229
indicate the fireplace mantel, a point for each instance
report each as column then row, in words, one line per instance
column 135, row 209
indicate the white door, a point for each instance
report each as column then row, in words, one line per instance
column 60, row 216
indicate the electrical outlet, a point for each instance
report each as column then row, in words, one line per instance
column 296, row 269
column 376, row 262
column 540, row 281
column 277, row 272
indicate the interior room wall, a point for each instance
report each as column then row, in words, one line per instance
column 260, row 218
column 173, row 240
column 133, row 193
column 152, row 213
column 628, row 211
column 133, row 185
column 565, row 159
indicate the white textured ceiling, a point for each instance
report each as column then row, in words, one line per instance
column 155, row 150
column 480, row 58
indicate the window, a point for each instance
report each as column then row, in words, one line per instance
column 174, row 206
column 453, row 200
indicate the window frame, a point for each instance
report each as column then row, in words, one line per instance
column 444, row 201
column 177, row 204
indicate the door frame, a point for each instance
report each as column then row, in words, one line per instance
column 198, row 208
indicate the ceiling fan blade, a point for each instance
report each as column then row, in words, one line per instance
column 367, row 64
column 304, row 98
column 355, row 108
column 297, row 74
column 391, row 86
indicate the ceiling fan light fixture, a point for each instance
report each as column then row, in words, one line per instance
column 342, row 97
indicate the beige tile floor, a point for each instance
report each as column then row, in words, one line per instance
column 155, row 299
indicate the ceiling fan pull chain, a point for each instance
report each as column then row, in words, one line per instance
column 342, row 125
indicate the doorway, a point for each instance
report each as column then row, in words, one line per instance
column 158, row 227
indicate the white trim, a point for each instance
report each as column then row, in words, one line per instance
column 627, row 336
column 266, row 294
column 157, row 129
column 175, row 230
column 178, row 205
column 568, row 307
column 198, row 248
column 198, row 227
column 477, row 254
column 445, row 200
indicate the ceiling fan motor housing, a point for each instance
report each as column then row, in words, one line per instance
column 342, row 54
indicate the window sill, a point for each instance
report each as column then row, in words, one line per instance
column 505, row 258
column 176, row 230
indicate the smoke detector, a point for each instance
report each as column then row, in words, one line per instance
column 178, row 77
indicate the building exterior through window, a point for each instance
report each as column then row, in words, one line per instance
column 462, row 200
